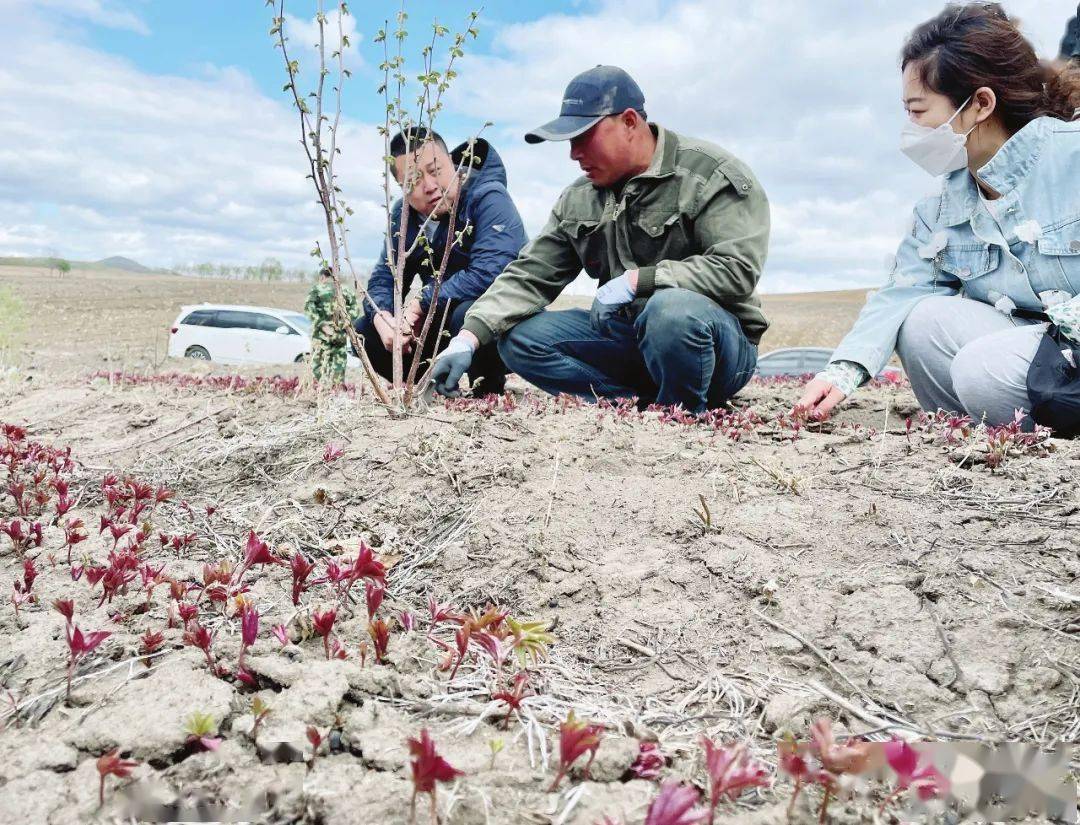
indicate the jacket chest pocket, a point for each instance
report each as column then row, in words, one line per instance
column 975, row 265
column 587, row 236
column 1059, row 253
column 656, row 235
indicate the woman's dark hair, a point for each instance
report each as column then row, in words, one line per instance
column 970, row 45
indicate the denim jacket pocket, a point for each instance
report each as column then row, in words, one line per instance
column 971, row 263
column 1059, row 245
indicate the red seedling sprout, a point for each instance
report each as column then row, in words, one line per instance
column 332, row 452
column 300, row 567
column 493, row 647
column 833, row 759
column 731, row 770
column 793, row 762
column 380, row 638
column 74, row 533
column 281, row 633
column 78, row 646
column 198, row 636
column 439, row 613
column 149, row 643
column 249, row 630
column 461, row 641
column 408, row 621
column 513, row 697
column 649, row 762
column 373, row 594
column 428, row 769
column 66, row 608
column 324, row 625
column 576, row 738
column 111, row 763
column 676, row 805
column 911, row 772
column 22, row 589
column 365, row 566
column 256, row 552
column 316, row 740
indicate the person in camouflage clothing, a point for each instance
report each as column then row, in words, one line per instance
column 328, row 341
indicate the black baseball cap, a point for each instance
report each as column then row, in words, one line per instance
column 592, row 95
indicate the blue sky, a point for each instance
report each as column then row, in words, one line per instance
column 184, row 38
column 158, row 129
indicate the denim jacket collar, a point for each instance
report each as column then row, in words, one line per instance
column 1003, row 173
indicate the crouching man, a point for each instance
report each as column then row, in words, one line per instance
column 493, row 239
column 676, row 232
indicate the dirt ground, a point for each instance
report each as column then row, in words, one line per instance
column 693, row 585
column 88, row 320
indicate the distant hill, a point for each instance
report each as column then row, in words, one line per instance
column 114, row 262
column 120, row 262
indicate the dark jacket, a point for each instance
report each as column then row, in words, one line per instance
column 1070, row 43
column 494, row 239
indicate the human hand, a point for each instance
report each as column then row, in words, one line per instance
column 385, row 327
column 819, row 398
column 413, row 317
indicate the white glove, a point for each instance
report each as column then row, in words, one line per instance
column 616, row 291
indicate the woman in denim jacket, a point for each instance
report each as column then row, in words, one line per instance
column 998, row 250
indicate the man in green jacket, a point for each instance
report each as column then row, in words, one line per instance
column 676, row 232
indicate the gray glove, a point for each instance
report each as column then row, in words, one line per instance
column 450, row 365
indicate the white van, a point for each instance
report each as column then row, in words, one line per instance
column 242, row 335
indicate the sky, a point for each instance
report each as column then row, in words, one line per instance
column 159, row 130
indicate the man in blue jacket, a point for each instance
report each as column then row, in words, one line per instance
column 494, row 238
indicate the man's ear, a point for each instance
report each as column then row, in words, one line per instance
column 985, row 103
column 630, row 119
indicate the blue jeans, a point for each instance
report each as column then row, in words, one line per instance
column 683, row 348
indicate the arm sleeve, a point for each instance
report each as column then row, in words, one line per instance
column 1067, row 317
column 531, row 282
column 733, row 230
column 498, row 236
column 380, row 285
column 846, row 376
column 916, row 274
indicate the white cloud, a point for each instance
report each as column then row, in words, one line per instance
column 93, row 11
column 99, row 158
column 160, row 168
column 305, row 35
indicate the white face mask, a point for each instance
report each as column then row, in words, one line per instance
column 939, row 151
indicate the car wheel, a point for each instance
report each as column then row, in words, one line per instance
column 198, row 353
column 301, row 358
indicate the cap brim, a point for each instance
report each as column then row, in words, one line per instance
column 563, row 128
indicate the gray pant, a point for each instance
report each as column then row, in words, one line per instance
column 965, row 356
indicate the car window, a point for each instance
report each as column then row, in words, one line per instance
column 266, row 323
column 301, row 322
column 234, row 319
column 200, row 318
